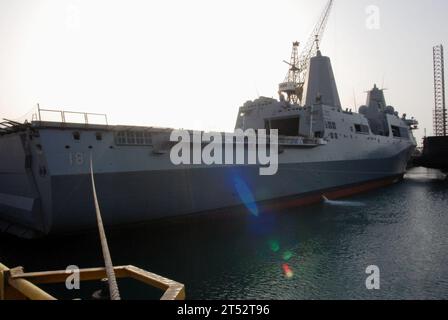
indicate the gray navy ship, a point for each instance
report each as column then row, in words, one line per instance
column 324, row 151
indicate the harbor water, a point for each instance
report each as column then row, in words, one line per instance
column 315, row 252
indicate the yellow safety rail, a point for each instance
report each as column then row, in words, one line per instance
column 15, row 284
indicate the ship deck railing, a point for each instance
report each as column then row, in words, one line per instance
column 64, row 115
column 15, row 284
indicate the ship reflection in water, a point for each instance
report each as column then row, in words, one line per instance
column 315, row 252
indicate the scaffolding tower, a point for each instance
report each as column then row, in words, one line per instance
column 440, row 116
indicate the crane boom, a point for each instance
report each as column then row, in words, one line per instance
column 299, row 64
column 312, row 45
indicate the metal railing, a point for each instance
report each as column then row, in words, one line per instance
column 63, row 114
column 300, row 141
column 15, row 284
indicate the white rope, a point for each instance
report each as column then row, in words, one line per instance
column 113, row 287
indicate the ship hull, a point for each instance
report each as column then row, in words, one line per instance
column 127, row 198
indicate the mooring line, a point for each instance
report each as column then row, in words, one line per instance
column 113, row 287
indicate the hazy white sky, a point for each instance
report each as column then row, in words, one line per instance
column 191, row 64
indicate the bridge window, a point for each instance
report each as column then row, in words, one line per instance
column 120, row 137
column 139, row 137
column 130, row 135
column 133, row 138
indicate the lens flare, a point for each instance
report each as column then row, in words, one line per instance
column 287, row 255
column 274, row 245
column 245, row 195
column 287, row 270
